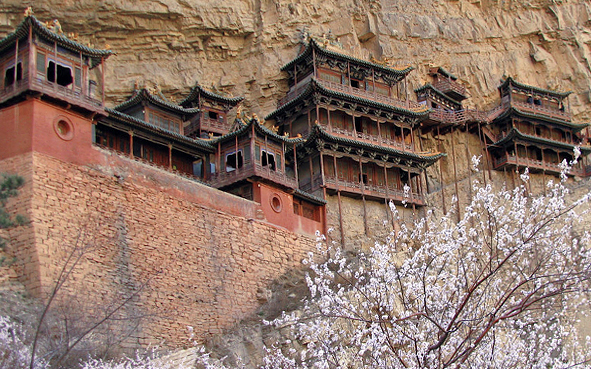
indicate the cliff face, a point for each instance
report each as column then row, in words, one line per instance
column 238, row 46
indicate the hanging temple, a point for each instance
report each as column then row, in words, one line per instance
column 346, row 126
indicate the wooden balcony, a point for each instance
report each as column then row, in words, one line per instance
column 371, row 139
column 73, row 96
column 368, row 95
column 374, row 191
column 538, row 109
column 451, row 88
column 458, row 116
column 506, row 161
column 249, row 170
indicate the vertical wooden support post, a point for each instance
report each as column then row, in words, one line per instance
column 16, row 63
column 169, row 156
column 386, row 200
column 482, row 139
column 311, row 173
column 131, row 144
column 453, row 154
column 441, row 174
column 322, row 180
column 295, row 165
column 341, row 219
column 469, row 160
column 32, row 57
column 236, row 150
column 362, row 186
column 55, row 66
column 104, row 71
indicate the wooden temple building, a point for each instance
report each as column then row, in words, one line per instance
column 532, row 127
column 358, row 124
column 346, row 127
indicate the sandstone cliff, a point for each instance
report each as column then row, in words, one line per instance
column 239, row 46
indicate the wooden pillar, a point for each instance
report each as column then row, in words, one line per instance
column 104, row 71
column 295, row 165
column 362, row 186
column 341, row 218
column 16, row 62
column 131, row 144
column 322, row 180
column 453, row 154
column 55, row 66
column 32, row 57
column 169, row 156
column 236, row 150
column 482, row 150
column 311, row 172
column 441, row 174
column 412, row 200
column 469, row 160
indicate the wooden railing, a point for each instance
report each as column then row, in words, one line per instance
column 538, row 109
column 364, row 137
column 472, row 115
column 404, row 104
column 72, row 95
column 224, row 178
column 499, row 162
column 447, row 86
column 380, row 191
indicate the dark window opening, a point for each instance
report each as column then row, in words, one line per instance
column 212, row 115
column 64, row 74
column 538, row 131
column 363, row 178
column 268, row 159
column 233, row 162
column 434, row 105
column 355, row 83
column 530, row 100
column 9, row 76
column 358, row 124
column 198, row 168
column 537, row 102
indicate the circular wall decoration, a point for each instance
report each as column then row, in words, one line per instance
column 276, row 203
column 63, row 128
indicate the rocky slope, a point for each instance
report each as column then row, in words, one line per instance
column 239, row 46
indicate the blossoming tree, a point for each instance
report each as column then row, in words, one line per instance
column 502, row 288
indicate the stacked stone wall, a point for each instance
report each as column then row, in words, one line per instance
column 142, row 232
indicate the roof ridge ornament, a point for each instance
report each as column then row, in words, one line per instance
column 29, row 11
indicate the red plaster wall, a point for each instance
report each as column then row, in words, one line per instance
column 18, row 134
column 286, row 217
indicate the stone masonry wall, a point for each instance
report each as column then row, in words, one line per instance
column 206, row 268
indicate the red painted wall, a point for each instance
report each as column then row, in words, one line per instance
column 283, row 215
column 34, row 125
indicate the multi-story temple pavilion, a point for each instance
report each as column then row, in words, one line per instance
column 358, row 123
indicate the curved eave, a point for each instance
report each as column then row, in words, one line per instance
column 514, row 110
column 446, row 73
column 429, row 86
column 308, row 197
column 318, row 132
column 197, row 89
column 314, row 44
column 316, row 85
column 539, row 90
column 144, row 95
column 258, row 128
column 115, row 114
column 22, row 31
column 517, row 134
